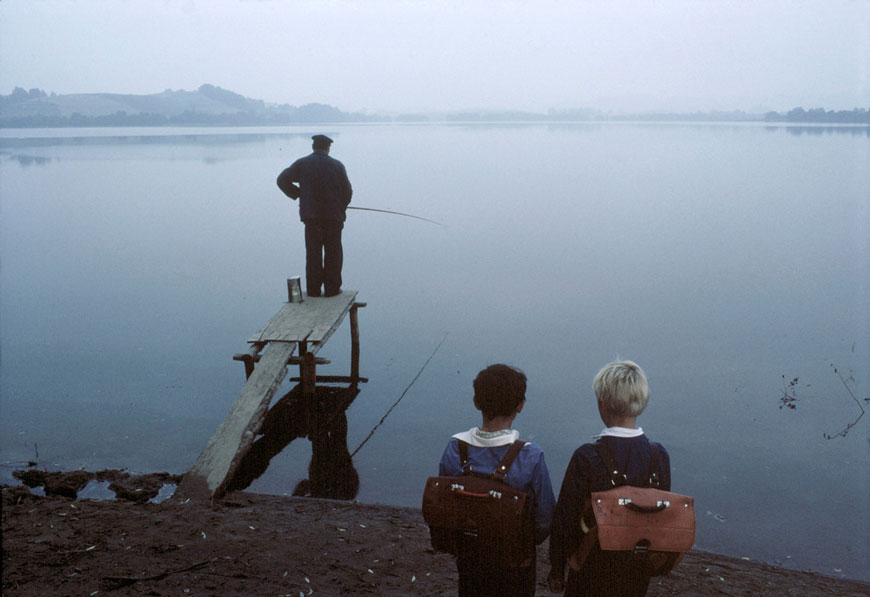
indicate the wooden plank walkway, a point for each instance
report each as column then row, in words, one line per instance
column 313, row 321
column 306, row 326
column 217, row 463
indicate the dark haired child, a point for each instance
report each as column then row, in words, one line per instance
column 500, row 394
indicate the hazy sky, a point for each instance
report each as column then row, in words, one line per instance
column 385, row 55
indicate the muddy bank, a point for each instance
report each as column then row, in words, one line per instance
column 259, row 545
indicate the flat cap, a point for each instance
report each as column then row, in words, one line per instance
column 321, row 140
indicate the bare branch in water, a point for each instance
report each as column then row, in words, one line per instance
column 789, row 394
column 788, row 398
column 845, row 381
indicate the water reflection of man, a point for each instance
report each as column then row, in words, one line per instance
column 324, row 193
column 331, row 473
column 323, row 420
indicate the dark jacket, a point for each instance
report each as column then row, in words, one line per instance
column 603, row 573
column 325, row 190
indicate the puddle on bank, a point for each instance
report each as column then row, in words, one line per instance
column 100, row 486
column 166, row 492
column 100, row 491
column 96, row 490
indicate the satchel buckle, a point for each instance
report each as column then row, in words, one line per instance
column 642, row 545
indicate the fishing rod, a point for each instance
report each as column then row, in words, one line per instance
column 396, row 213
column 292, row 191
column 389, row 410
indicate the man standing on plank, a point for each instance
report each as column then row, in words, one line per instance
column 324, row 193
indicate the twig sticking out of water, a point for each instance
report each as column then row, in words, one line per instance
column 789, row 395
column 844, row 381
column 389, row 410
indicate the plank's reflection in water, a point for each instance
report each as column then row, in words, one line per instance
column 322, row 419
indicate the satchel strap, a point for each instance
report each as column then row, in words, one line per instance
column 501, row 470
column 618, row 478
column 654, row 478
column 463, row 457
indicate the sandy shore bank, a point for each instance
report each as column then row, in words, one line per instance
column 269, row 545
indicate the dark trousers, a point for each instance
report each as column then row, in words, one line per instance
column 323, row 256
column 610, row 574
column 503, row 582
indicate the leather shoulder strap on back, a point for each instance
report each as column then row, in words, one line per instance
column 501, row 470
column 463, row 456
column 654, row 470
column 617, row 477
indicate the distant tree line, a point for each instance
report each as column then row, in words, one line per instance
column 713, row 116
column 211, row 105
column 856, row 116
column 20, row 95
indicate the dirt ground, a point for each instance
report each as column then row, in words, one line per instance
column 251, row 544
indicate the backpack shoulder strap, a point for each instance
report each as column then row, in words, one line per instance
column 501, row 470
column 463, row 457
column 617, row 477
column 654, row 470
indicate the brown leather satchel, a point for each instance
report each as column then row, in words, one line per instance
column 657, row 524
column 480, row 518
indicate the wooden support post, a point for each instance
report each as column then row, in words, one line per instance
column 309, row 374
column 308, row 371
column 354, row 343
column 252, row 357
column 336, row 379
column 317, row 361
column 250, row 361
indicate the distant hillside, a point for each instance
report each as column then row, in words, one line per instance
column 207, row 105
column 210, row 105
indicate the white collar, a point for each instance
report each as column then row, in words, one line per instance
column 620, row 432
column 486, row 439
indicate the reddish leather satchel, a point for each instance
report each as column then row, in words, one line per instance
column 657, row 523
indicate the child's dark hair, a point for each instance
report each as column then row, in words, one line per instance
column 499, row 390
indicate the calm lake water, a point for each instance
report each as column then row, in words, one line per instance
column 722, row 258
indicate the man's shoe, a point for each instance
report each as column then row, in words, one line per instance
column 332, row 292
column 313, row 293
